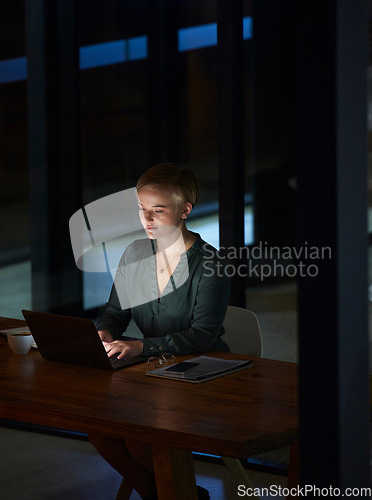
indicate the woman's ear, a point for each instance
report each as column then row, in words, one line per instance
column 186, row 209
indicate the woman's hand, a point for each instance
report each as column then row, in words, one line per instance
column 127, row 349
column 105, row 336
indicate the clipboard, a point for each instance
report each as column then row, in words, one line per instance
column 208, row 368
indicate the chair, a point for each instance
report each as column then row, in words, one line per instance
column 242, row 331
column 243, row 336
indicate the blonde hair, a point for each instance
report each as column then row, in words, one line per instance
column 178, row 179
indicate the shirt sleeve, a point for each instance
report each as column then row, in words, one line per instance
column 114, row 319
column 206, row 327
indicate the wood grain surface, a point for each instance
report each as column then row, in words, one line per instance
column 241, row 414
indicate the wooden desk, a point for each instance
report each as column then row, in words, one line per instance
column 251, row 411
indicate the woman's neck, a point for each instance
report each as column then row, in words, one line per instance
column 181, row 244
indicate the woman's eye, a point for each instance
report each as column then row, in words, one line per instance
column 159, row 211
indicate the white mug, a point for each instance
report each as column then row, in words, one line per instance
column 20, row 342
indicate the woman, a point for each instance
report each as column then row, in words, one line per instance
column 161, row 283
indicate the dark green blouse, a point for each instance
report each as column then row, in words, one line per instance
column 188, row 316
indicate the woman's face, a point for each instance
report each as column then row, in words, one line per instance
column 159, row 213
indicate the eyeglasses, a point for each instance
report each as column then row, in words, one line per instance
column 159, row 361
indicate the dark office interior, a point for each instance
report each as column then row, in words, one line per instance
column 267, row 102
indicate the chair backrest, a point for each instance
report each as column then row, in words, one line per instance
column 242, row 331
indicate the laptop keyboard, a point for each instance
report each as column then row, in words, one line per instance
column 116, row 363
column 128, row 361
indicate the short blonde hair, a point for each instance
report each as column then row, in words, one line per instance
column 177, row 178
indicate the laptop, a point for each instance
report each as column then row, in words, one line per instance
column 72, row 340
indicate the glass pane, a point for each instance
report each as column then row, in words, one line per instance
column 15, row 269
column 116, row 91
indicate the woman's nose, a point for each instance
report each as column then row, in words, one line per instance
column 149, row 216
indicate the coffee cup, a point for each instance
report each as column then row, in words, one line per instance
column 20, row 342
